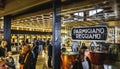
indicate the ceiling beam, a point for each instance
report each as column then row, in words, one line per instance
column 2, row 4
column 66, row 7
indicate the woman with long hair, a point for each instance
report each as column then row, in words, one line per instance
column 82, row 61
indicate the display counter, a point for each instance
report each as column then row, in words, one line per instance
column 97, row 58
column 15, row 48
column 67, row 59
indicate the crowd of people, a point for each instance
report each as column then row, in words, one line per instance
column 28, row 54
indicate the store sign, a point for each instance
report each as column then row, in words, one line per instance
column 90, row 33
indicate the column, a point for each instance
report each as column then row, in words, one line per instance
column 114, row 4
column 86, row 13
column 7, row 31
column 56, row 34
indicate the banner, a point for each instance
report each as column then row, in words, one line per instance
column 90, row 33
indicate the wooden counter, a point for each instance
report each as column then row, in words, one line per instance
column 67, row 59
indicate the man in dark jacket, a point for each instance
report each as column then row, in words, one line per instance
column 30, row 63
column 50, row 54
column 35, row 51
column 26, row 58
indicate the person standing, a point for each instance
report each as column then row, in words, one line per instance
column 35, row 51
column 82, row 61
column 48, row 41
column 40, row 46
column 3, row 49
column 26, row 58
column 10, row 61
column 75, row 46
column 50, row 54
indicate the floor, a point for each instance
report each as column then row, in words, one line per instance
column 42, row 63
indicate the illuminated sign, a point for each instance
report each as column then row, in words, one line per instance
column 90, row 33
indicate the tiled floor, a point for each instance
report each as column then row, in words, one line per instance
column 42, row 61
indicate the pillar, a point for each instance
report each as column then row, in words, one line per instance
column 7, row 31
column 56, row 34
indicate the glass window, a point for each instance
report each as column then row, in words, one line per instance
column 99, row 10
column 93, row 12
column 81, row 14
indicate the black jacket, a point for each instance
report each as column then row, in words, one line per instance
column 30, row 62
column 21, row 58
column 2, row 52
column 78, row 64
column 50, row 50
column 10, row 62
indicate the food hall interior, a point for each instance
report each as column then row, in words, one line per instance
column 38, row 24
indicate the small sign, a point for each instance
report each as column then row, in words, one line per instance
column 90, row 33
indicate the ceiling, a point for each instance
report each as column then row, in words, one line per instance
column 16, row 6
column 42, row 20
